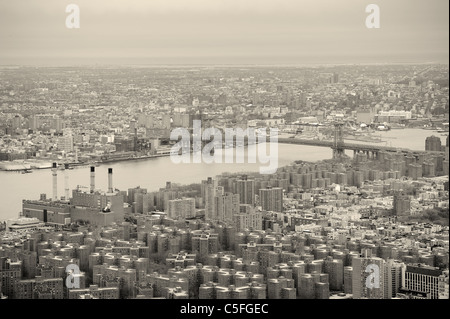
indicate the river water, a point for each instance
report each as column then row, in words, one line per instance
column 154, row 173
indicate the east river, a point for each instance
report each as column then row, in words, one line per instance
column 155, row 172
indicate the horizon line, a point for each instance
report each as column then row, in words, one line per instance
column 222, row 64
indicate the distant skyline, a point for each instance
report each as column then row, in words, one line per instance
column 33, row 32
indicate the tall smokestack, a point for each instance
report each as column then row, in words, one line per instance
column 92, row 179
column 135, row 140
column 66, row 181
column 55, row 181
column 110, row 181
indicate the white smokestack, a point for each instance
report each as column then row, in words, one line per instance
column 110, row 182
column 92, row 179
column 55, row 181
column 66, row 181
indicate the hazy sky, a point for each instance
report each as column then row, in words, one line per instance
column 223, row 32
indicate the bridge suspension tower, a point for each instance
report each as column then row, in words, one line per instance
column 338, row 142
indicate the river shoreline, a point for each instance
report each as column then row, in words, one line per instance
column 153, row 173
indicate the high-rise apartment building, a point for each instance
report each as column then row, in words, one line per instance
column 65, row 143
column 246, row 190
column 394, row 278
column 368, row 276
column 247, row 218
column 181, row 208
column 226, row 206
column 271, row 199
column 433, row 143
column 209, row 189
column 57, row 124
column 401, row 204
column 423, row 279
column 10, row 273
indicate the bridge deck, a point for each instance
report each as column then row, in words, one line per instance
column 351, row 146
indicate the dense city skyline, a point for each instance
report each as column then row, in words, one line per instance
column 203, row 151
column 84, row 153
